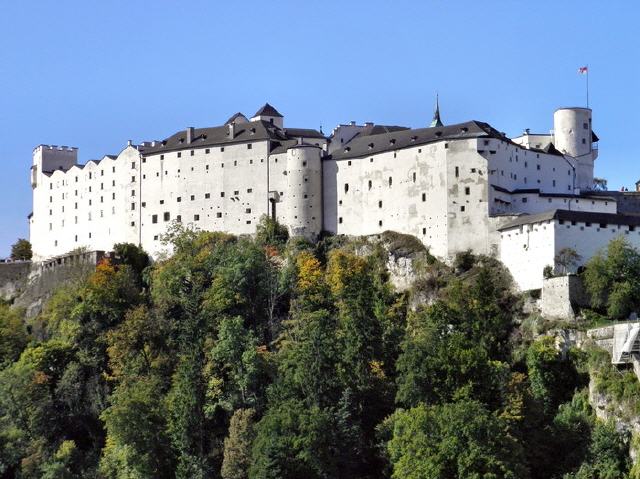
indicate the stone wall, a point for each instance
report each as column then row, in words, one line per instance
column 562, row 296
column 13, row 279
column 42, row 278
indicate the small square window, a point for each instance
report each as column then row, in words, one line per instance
column 196, row 217
column 162, row 157
column 193, row 197
column 154, row 219
column 166, row 216
column 192, row 152
column 218, row 214
column 207, row 196
column 207, row 151
column 179, row 199
column 179, row 154
column 249, row 146
column 462, row 208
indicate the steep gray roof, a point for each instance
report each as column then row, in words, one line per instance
column 268, row 110
column 403, row 138
column 219, row 135
column 567, row 215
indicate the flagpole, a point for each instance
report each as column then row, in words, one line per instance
column 587, row 86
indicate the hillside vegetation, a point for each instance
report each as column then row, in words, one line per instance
column 276, row 358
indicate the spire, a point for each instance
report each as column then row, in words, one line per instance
column 436, row 115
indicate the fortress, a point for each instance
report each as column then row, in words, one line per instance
column 455, row 187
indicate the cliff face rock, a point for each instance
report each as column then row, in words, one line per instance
column 13, row 279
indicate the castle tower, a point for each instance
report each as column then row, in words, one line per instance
column 304, row 190
column 49, row 158
column 270, row 115
column 573, row 136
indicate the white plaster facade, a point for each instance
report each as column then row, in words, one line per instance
column 451, row 186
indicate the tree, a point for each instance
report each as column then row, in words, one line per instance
column 454, row 440
column 611, row 279
column 13, row 336
column 237, row 445
column 567, row 259
column 21, row 250
column 608, row 456
column 270, row 232
column 553, row 379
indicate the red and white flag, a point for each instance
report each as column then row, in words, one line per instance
column 583, row 70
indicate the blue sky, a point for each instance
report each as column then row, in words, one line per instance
column 95, row 74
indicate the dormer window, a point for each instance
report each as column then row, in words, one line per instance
column 438, row 134
column 414, row 138
column 392, row 141
column 464, row 129
column 370, row 146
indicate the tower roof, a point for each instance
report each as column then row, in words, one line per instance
column 268, row 110
column 436, row 115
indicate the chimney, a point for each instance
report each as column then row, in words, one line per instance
column 189, row 134
column 129, row 142
column 232, row 130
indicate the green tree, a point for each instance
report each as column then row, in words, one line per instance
column 611, row 279
column 453, row 440
column 553, row 378
column 13, row 336
column 21, row 250
column 608, row 456
column 237, row 445
column 270, row 232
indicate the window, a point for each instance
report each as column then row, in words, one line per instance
column 133, row 206
column 196, row 217
column 248, row 210
column 414, row 176
column 584, row 141
column 193, row 197
column 222, row 194
column 340, row 220
column 380, row 223
column 346, row 187
column 133, row 165
column 207, row 196
column 162, row 202
column 236, row 192
column 218, row 214
column 179, row 154
column 133, row 179
column 221, row 149
column 235, row 163
column 370, row 184
column 162, row 157
column 585, row 125
column 467, row 190
column 554, row 182
column 179, row 218
column 179, row 199
column 304, row 163
column 524, row 200
column 249, row 190
column 192, row 152
column 424, row 197
column 379, row 204
column 249, row 146
column 207, row 151
column 390, row 181
column 457, row 172
column 166, row 216
column 133, row 192
column 462, row 208
column 537, row 167
column 154, row 219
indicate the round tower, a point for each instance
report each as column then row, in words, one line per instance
column 304, row 190
column 572, row 130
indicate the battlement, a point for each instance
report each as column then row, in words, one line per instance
column 55, row 147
